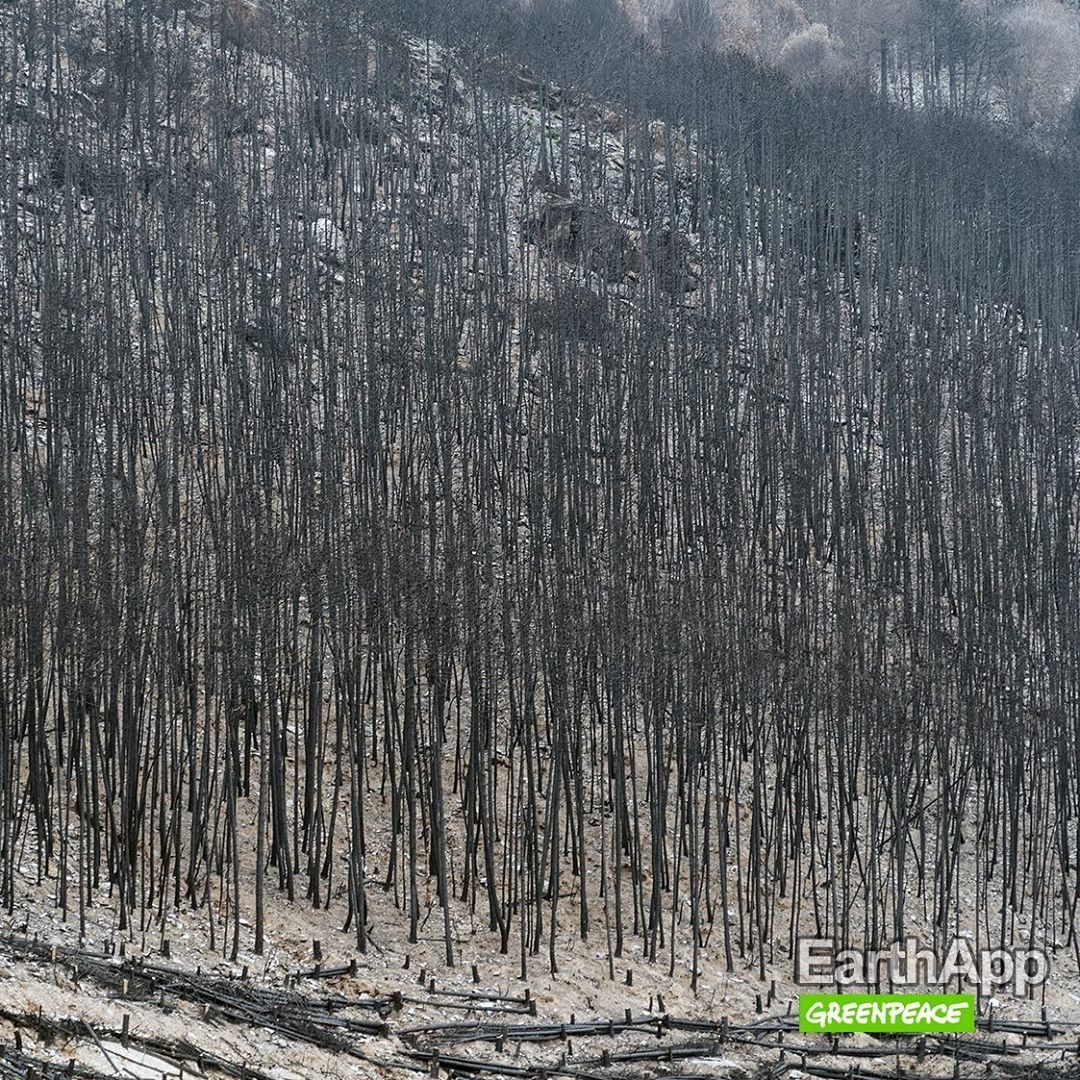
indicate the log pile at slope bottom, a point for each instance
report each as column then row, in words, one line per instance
column 631, row 1046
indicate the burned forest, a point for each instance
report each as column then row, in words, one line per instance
column 488, row 480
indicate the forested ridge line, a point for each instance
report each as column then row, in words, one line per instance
column 650, row 510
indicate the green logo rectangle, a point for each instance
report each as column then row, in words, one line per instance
column 887, row 1012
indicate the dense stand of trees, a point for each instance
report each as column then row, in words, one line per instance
column 655, row 516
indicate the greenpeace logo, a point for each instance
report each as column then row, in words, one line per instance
column 908, row 963
column 887, row 1012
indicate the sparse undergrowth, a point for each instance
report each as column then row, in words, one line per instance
column 642, row 525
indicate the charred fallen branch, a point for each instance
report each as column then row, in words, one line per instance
column 177, row 1051
column 468, row 1066
column 316, row 1020
column 482, row 1032
column 770, row 1034
column 16, row 1065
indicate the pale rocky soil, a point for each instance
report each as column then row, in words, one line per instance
column 581, row 990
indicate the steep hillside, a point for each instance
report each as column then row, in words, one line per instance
column 452, row 515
